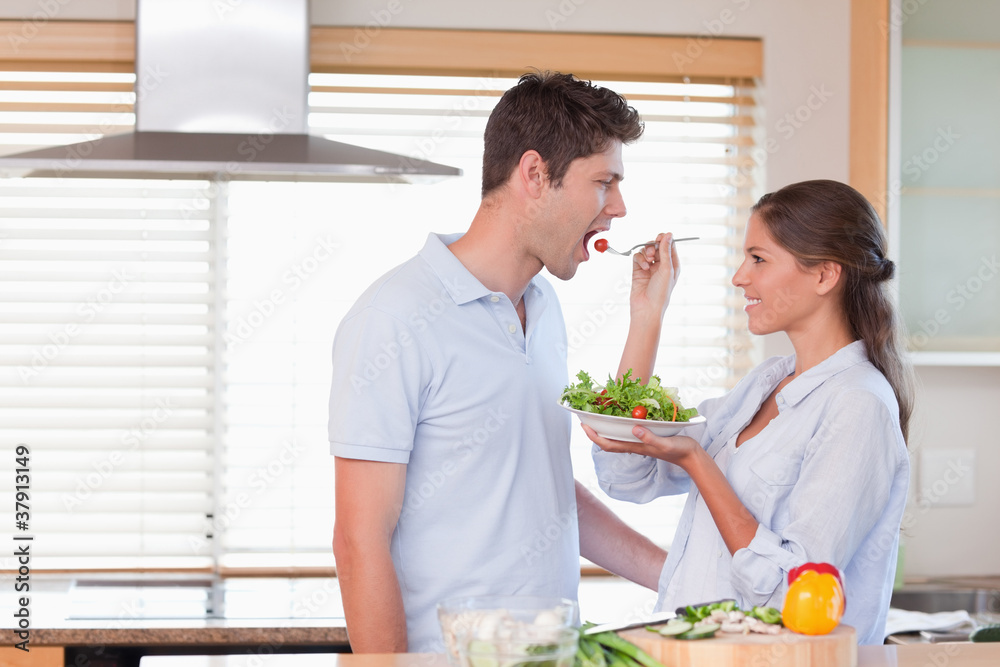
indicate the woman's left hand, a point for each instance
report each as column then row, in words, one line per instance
column 677, row 449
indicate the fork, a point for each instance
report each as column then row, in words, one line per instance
column 629, row 252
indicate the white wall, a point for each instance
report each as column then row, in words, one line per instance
column 806, row 59
column 806, row 51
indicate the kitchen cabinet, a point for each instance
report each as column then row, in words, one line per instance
column 38, row 656
column 944, row 194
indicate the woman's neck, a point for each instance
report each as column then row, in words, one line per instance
column 819, row 340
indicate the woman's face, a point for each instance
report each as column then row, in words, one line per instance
column 781, row 294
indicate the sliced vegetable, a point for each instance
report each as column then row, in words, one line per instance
column 698, row 613
column 701, row 631
column 765, row 620
column 678, row 628
column 987, row 633
column 766, row 614
column 483, row 654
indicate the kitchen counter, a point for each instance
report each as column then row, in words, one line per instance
column 121, row 610
column 952, row 655
column 192, row 614
column 100, row 610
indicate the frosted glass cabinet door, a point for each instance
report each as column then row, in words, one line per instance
column 949, row 241
column 950, row 272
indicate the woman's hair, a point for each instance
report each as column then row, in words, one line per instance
column 827, row 221
column 559, row 116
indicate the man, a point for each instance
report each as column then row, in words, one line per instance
column 453, row 473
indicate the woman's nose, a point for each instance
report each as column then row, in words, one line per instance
column 739, row 278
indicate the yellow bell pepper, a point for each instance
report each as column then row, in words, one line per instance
column 815, row 599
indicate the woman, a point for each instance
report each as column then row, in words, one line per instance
column 805, row 459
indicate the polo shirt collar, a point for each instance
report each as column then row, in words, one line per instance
column 844, row 358
column 458, row 282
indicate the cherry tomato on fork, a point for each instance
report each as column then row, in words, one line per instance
column 600, row 245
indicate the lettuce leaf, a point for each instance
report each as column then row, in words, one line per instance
column 619, row 397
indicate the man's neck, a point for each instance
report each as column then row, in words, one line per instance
column 490, row 251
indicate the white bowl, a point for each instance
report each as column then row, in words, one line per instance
column 620, row 428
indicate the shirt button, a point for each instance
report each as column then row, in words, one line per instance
column 494, row 298
column 512, row 328
column 720, row 553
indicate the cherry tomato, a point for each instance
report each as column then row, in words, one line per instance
column 815, row 599
column 639, row 412
column 600, row 245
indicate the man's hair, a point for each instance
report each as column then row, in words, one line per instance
column 558, row 115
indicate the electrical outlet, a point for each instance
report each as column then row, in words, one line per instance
column 947, row 477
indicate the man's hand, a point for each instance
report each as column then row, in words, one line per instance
column 369, row 497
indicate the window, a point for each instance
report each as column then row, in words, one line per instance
column 195, row 397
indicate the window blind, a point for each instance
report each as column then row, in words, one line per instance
column 201, row 385
column 691, row 174
column 107, row 358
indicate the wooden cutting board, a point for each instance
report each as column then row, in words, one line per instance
column 837, row 649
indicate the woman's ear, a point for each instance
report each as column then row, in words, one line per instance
column 828, row 277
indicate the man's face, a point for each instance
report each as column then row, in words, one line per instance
column 586, row 202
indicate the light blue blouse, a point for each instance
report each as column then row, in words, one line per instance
column 826, row 479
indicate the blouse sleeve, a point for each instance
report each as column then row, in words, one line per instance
column 842, row 489
column 640, row 479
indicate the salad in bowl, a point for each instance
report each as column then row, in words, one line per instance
column 614, row 408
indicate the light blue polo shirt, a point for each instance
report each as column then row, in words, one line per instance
column 432, row 369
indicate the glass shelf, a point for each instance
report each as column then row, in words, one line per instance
column 955, row 359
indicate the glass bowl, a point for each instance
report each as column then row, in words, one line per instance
column 555, row 647
column 475, row 626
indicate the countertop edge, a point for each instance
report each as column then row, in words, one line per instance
column 275, row 636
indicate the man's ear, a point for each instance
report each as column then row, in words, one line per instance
column 828, row 274
column 532, row 173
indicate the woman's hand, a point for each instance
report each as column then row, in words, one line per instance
column 654, row 274
column 679, row 449
column 735, row 522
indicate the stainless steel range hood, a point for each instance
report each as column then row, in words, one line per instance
column 222, row 93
